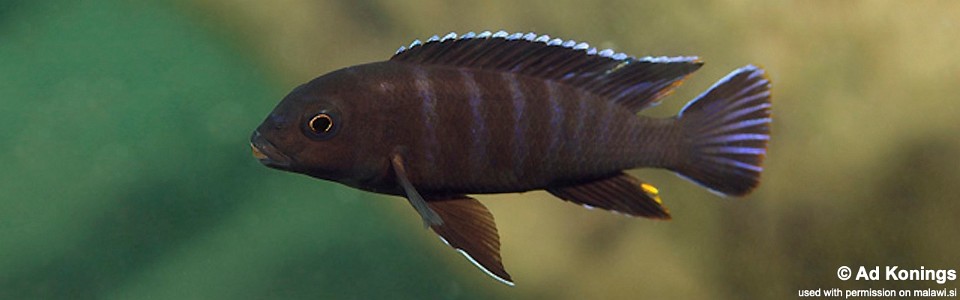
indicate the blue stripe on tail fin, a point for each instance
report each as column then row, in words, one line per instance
column 727, row 129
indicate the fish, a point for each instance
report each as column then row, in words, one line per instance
column 499, row 112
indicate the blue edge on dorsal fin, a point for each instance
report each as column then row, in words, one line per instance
column 635, row 83
column 533, row 37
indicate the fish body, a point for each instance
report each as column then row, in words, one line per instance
column 500, row 113
column 469, row 132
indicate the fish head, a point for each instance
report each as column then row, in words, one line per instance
column 321, row 129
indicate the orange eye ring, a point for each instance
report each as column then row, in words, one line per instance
column 321, row 126
column 321, row 123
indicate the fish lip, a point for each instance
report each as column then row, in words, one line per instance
column 267, row 153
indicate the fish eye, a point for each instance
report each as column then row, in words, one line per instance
column 323, row 125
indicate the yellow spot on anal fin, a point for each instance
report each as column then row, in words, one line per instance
column 652, row 191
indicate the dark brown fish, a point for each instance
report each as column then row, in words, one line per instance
column 503, row 113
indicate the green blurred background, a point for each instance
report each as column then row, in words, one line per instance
column 127, row 175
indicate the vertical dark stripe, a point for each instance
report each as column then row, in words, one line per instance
column 580, row 132
column 604, row 133
column 477, row 151
column 519, row 105
column 555, row 127
column 642, row 146
column 429, row 146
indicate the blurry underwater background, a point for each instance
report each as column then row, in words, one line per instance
column 127, row 172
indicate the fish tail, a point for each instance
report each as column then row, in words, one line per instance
column 726, row 130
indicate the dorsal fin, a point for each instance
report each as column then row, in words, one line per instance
column 635, row 83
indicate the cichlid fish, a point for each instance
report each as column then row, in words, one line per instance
column 505, row 113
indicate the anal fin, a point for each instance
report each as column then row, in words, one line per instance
column 621, row 193
column 469, row 227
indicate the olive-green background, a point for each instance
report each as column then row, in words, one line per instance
column 126, row 172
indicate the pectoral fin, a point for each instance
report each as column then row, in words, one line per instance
column 469, row 227
column 621, row 193
column 430, row 217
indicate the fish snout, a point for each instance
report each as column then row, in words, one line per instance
column 267, row 153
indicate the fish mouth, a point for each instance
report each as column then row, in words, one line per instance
column 267, row 153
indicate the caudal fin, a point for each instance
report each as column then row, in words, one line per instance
column 726, row 130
